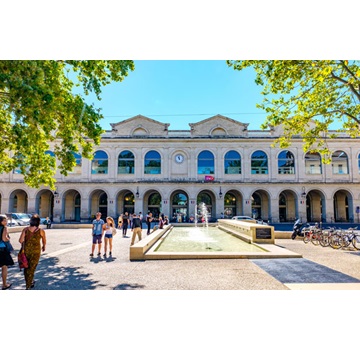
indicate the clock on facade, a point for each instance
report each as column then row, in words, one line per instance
column 179, row 158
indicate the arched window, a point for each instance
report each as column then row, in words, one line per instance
column 259, row 163
column 232, row 163
column 313, row 163
column 206, row 163
column 78, row 161
column 99, row 164
column 339, row 163
column 286, row 163
column 126, row 163
column 152, row 163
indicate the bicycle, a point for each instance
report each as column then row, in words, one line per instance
column 350, row 237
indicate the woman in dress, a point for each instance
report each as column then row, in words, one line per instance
column 5, row 257
column 34, row 241
column 110, row 231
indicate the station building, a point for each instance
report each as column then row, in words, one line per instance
column 141, row 165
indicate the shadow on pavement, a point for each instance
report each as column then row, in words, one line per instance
column 51, row 276
column 126, row 286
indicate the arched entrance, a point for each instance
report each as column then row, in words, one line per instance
column 44, row 204
column 71, row 206
column 287, row 206
column 152, row 203
column 232, row 204
column 179, row 207
column 208, row 198
column 343, row 206
column 18, row 202
column 260, row 205
column 315, row 206
column 125, row 202
column 98, row 203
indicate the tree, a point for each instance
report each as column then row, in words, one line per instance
column 38, row 107
column 300, row 93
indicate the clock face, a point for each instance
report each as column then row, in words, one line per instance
column 179, row 158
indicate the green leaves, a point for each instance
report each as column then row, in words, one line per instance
column 299, row 93
column 39, row 111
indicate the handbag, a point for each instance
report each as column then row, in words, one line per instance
column 22, row 260
column 2, row 246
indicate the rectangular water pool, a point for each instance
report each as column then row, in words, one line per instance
column 202, row 239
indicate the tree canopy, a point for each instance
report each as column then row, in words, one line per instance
column 300, row 93
column 38, row 107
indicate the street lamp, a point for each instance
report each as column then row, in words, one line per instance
column 220, row 193
column 137, row 192
column 303, row 194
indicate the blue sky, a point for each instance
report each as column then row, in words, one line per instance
column 180, row 92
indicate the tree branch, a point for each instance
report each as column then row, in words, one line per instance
column 345, row 82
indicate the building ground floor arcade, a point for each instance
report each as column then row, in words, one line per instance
column 267, row 201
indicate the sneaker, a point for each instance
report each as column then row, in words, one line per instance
column 104, row 255
column 91, row 255
column 99, row 254
column 110, row 253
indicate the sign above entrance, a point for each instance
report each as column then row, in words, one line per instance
column 209, row 178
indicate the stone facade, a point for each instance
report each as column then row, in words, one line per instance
column 219, row 161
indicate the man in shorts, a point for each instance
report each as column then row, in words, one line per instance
column 136, row 228
column 97, row 233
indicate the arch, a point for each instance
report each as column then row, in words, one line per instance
column 139, row 131
column 44, row 204
column 18, row 201
column 71, row 205
column 218, row 131
column 100, row 163
column 343, row 206
column 153, row 202
column 286, row 163
column 179, row 206
column 206, row 163
column 232, row 163
column 232, row 204
column 260, row 205
column 315, row 206
column 208, row 198
column 126, row 162
column 152, row 163
column 288, row 206
column 340, row 163
column 313, row 163
column 98, row 202
column 259, row 163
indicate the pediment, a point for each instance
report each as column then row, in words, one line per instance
column 139, row 126
column 218, row 126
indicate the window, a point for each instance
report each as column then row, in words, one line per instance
column 232, row 163
column 126, row 163
column 259, row 163
column 152, row 163
column 99, row 164
column 78, row 161
column 339, row 163
column 206, row 163
column 313, row 163
column 286, row 163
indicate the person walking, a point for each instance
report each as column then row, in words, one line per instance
column 136, row 228
column 120, row 221
column 48, row 223
column 5, row 256
column 149, row 219
column 126, row 222
column 34, row 240
column 97, row 233
column 110, row 232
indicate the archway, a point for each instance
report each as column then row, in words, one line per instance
column 232, row 204
column 18, row 202
column 152, row 203
column 44, row 204
column 208, row 198
column 315, row 206
column 71, row 205
column 179, row 206
column 343, row 206
column 287, row 206
column 260, row 205
column 98, row 203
